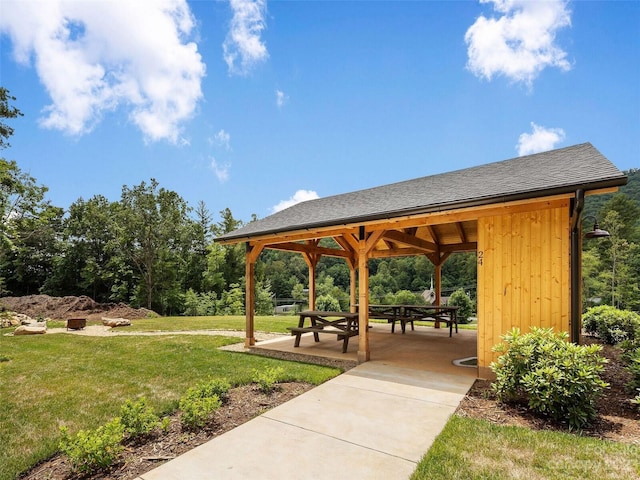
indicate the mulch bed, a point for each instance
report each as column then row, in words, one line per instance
column 242, row 404
column 618, row 419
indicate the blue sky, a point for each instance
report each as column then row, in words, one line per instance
column 252, row 105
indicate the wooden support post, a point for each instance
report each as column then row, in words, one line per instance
column 312, row 260
column 438, row 279
column 352, row 287
column 364, row 354
column 250, row 338
column 252, row 254
column 366, row 243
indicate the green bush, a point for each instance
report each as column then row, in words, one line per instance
column 268, row 378
column 214, row 387
column 201, row 401
column 327, row 303
column 611, row 325
column 555, row 378
column 137, row 418
column 92, row 450
column 459, row 298
column 631, row 358
column 195, row 411
column 405, row 297
column 636, row 399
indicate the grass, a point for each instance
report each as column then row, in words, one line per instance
column 267, row 323
column 51, row 380
column 477, row 450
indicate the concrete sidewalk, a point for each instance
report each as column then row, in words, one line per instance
column 375, row 421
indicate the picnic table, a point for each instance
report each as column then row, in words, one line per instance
column 342, row 324
column 410, row 313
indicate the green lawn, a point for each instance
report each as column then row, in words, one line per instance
column 81, row 382
column 470, row 449
column 267, row 323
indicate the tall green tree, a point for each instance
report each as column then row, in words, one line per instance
column 29, row 224
column 151, row 226
column 225, row 263
column 86, row 264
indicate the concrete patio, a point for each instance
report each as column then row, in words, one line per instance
column 425, row 348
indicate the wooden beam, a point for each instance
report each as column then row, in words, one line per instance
column 306, row 248
column 460, row 247
column 351, row 239
column 250, row 295
column 410, row 240
column 371, row 241
column 461, row 232
column 433, row 233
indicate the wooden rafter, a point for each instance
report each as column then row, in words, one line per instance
column 410, row 240
column 461, row 232
column 307, row 248
column 433, row 233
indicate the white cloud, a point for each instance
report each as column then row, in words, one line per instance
column 299, row 196
column 221, row 170
column 243, row 48
column 93, row 57
column 281, row 98
column 222, row 139
column 520, row 43
column 540, row 139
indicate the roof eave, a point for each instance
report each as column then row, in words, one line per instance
column 490, row 200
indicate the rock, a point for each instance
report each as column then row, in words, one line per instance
column 30, row 330
column 115, row 322
column 13, row 319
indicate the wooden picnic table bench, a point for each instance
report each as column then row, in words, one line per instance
column 411, row 313
column 342, row 324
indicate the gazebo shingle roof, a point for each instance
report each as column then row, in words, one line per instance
column 532, row 176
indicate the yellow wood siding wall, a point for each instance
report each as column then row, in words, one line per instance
column 523, row 274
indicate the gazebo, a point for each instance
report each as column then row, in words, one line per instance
column 522, row 216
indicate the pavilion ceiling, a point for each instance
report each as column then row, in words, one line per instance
column 434, row 240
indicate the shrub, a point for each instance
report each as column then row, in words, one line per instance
column 137, row 418
column 406, row 297
column 195, row 411
column 327, row 303
column 631, row 358
column 201, row 401
column 555, row 378
column 611, row 325
column 93, row 450
column 213, row 387
column 636, row 400
column 459, row 298
column 268, row 378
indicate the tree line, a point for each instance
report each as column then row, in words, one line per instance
column 151, row 248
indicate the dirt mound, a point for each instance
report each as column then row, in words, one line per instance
column 62, row 308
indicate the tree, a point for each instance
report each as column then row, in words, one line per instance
column 151, row 225
column 6, row 111
column 87, row 263
column 200, row 232
column 225, row 264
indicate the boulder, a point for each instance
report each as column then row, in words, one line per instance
column 115, row 322
column 30, row 330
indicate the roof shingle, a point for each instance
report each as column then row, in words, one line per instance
column 532, row 176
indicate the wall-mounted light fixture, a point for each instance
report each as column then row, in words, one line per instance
column 596, row 232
